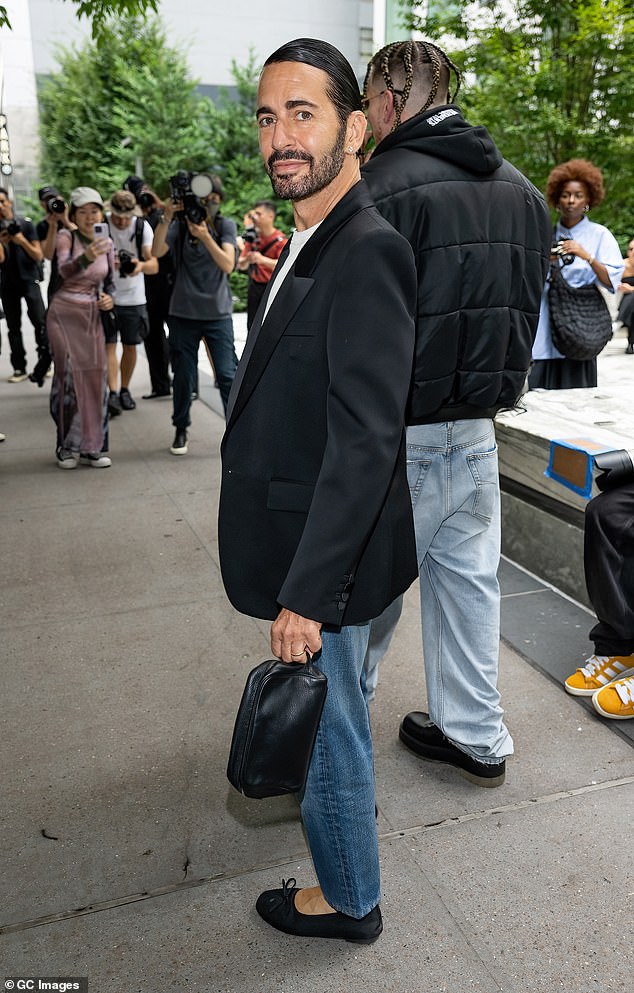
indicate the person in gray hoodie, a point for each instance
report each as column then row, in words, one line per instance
column 481, row 236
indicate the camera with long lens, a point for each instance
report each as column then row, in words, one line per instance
column 127, row 263
column 11, row 227
column 192, row 189
column 135, row 186
column 250, row 236
column 55, row 205
column 558, row 249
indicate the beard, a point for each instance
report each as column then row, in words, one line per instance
column 320, row 174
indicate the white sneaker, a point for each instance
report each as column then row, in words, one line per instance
column 66, row 459
column 18, row 376
column 95, row 459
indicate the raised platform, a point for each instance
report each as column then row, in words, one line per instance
column 542, row 520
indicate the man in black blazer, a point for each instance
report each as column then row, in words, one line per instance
column 315, row 526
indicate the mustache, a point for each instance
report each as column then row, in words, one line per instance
column 288, row 154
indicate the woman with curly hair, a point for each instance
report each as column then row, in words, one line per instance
column 573, row 188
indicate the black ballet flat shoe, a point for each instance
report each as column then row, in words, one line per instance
column 277, row 908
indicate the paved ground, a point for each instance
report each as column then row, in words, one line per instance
column 128, row 858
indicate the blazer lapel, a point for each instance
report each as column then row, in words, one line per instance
column 263, row 340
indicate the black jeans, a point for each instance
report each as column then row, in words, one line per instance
column 12, row 295
column 609, row 568
column 185, row 337
column 158, row 292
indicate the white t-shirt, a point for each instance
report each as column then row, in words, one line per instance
column 296, row 243
column 129, row 291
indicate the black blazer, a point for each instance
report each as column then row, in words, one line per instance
column 315, row 512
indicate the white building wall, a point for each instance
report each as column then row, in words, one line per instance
column 212, row 33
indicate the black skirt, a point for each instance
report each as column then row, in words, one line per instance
column 562, row 374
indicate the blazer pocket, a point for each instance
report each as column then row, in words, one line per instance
column 290, row 495
column 302, row 327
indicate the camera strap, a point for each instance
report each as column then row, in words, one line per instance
column 269, row 244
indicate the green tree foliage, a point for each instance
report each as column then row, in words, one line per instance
column 551, row 80
column 127, row 98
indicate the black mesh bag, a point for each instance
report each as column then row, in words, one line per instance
column 580, row 321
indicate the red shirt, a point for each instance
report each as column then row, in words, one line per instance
column 272, row 247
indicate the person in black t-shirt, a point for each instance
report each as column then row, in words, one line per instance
column 21, row 274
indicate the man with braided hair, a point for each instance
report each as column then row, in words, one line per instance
column 481, row 237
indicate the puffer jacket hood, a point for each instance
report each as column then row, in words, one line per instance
column 445, row 134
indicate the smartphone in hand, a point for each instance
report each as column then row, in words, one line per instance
column 101, row 230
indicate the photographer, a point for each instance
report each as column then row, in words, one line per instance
column 263, row 245
column 56, row 219
column 21, row 273
column 203, row 249
column 132, row 238
column 158, row 290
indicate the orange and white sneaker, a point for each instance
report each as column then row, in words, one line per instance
column 615, row 700
column 598, row 671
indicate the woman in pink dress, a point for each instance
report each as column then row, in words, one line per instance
column 79, row 395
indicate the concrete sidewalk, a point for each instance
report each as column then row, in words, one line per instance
column 127, row 856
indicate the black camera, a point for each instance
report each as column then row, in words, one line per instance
column 135, row 186
column 127, row 263
column 558, row 250
column 192, row 189
column 11, row 227
column 55, row 205
column 250, row 235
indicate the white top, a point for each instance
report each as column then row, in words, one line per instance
column 296, row 242
column 129, row 291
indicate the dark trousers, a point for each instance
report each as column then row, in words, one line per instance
column 156, row 347
column 12, row 295
column 255, row 292
column 609, row 569
column 185, row 337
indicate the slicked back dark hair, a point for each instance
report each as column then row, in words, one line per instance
column 342, row 88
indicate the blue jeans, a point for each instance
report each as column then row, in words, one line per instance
column 453, row 477
column 185, row 336
column 338, row 801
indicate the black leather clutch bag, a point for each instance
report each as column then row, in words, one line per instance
column 275, row 728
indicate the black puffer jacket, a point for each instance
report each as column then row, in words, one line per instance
column 481, row 236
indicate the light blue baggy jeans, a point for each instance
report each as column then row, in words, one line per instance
column 338, row 801
column 452, row 471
